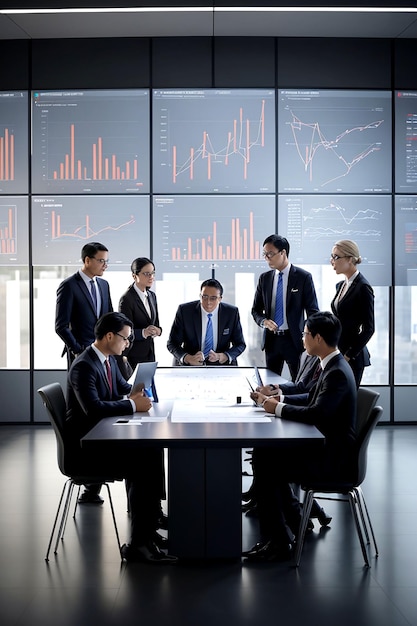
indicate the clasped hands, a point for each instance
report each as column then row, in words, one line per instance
column 198, row 358
column 151, row 331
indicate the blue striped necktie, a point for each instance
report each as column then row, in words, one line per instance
column 279, row 303
column 208, row 342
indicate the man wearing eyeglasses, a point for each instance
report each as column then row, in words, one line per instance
column 284, row 298
column 207, row 331
column 82, row 299
column 96, row 389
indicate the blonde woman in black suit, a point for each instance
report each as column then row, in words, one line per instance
column 353, row 304
column 139, row 304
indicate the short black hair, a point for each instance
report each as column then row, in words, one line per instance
column 326, row 325
column 280, row 243
column 91, row 249
column 112, row 322
column 140, row 263
column 212, row 282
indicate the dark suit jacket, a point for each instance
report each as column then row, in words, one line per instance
column 142, row 350
column 301, row 302
column 88, row 394
column 185, row 335
column 75, row 317
column 356, row 314
column 308, row 374
column 332, row 409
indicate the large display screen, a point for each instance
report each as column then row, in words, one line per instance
column 405, row 141
column 332, row 141
column 213, row 140
column 14, row 142
column 193, row 233
column 406, row 240
column 62, row 225
column 313, row 223
column 90, row 141
column 14, row 225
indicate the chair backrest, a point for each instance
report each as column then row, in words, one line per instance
column 363, row 441
column 54, row 402
column 367, row 399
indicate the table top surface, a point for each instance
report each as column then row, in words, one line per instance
column 197, row 412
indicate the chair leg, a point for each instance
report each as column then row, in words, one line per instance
column 65, row 513
column 354, row 508
column 114, row 518
column 61, row 499
column 307, row 504
column 362, row 501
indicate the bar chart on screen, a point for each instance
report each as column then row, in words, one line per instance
column 91, row 141
column 13, row 230
column 63, row 224
column 213, row 140
column 227, row 230
column 14, row 142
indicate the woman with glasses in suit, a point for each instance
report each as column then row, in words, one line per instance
column 139, row 304
column 353, row 304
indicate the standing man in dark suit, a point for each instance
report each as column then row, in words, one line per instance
column 97, row 389
column 82, row 299
column 332, row 409
column 139, row 304
column 284, row 297
column 207, row 330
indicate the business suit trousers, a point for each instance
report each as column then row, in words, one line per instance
column 280, row 349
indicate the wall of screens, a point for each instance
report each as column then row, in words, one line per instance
column 196, row 178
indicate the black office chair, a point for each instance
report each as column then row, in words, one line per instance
column 368, row 416
column 54, row 402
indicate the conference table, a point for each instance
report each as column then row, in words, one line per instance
column 204, row 417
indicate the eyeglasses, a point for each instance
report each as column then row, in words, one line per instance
column 209, row 298
column 304, row 333
column 269, row 255
column 336, row 257
column 102, row 261
column 129, row 339
column 147, row 274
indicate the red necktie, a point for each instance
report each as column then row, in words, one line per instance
column 109, row 378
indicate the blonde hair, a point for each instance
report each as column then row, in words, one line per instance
column 349, row 248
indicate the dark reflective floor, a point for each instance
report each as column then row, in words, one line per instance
column 85, row 583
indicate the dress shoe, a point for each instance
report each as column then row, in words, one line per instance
column 163, row 522
column 317, row 512
column 147, row 553
column 160, row 540
column 248, row 505
column 271, row 552
column 90, row 498
column 252, row 511
column 254, row 549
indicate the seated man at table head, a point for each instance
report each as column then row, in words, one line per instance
column 331, row 408
column 97, row 389
column 207, row 331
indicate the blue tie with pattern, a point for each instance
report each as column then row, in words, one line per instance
column 208, row 342
column 94, row 294
column 279, row 303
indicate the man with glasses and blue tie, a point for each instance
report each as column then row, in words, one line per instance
column 207, row 331
column 284, row 298
column 82, row 299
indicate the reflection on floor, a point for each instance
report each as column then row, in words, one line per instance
column 85, row 583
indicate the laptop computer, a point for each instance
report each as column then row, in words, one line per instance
column 258, row 376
